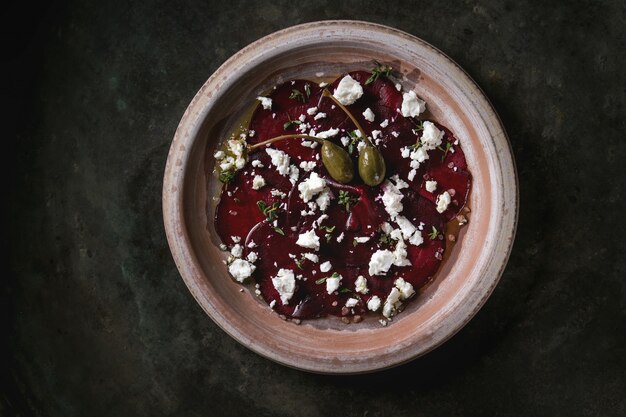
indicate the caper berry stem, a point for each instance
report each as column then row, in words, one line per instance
column 283, row 137
column 327, row 93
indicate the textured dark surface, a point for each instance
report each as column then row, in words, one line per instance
column 96, row 320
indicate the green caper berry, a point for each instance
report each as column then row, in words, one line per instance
column 337, row 162
column 371, row 166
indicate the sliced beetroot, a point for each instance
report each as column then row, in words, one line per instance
column 348, row 236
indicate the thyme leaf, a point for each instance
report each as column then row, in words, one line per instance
column 377, row 71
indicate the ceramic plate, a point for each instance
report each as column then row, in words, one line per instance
column 328, row 345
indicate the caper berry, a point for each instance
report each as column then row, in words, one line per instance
column 371, row 166
column 337, row 162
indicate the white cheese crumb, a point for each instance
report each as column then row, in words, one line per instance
column 236, row 239
column 368, row 114
column 266, row 102
column 257, row 164
column 380, row 262
column 398, row 86
column 362, row 239
column 431, row 186
column 384, row 123
column 348, row 91
column 278, row 193
column 376, row 133
column 412, row 106
column 417, row 238
column 285, row 284
column 351, row 302
column 406, row 226
column 311, row 111
column 280, row 160
column 411, row 174
column 392, row 199
column 360, row 285
column 252, row 257
column 431, row 136
column 344, row 141
column 395, row 134
column 236, row 251
column 333, row 283
column 390, row 303
column 340, row 237
column 311, row 186
column 252, row 244
column 323, row 199
column 325, row 134
column 311, row 257
column 400, row 184
column 241, row 269
column 258, row 182
column 325, row 267
column 443, row 201
column 323, row 84
column 308, row 166
column 405, row 288
column 309, row 144
column 219, row 155
column 319, row 116
column 374, row 304
column 309, row 240
column 273, row 303
column 400, row 254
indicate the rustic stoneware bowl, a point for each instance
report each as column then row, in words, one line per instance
column 460, row 288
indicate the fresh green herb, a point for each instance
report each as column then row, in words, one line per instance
column 344, row 290
column 433, row 235
column 415, row 146
column 300, row 262
column 328, row 236
column 328, row 229
column 321, row 280
column 227, row 176
column 354, row 140
column 385, row 239
column 270, row 212
column 346, row 199
column 379, row 70
column 445, row 150
column 297, row 95
column 290, row 123
column 419, row 125
column 355, row 242
column 279, row 230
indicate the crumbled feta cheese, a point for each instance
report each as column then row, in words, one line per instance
column 323, row 199
column 236, row 251
column 325, row 267
column 384, row 123
column 309, row 144
column 311, row 111
column 323, row 84
column 241, row 269
column 431, row 136
column 386, row 227
column 311, row 186
column 319, row 116
column 278, row 193
column 419, row 155
column 325, row 134
column 308, row 166
column 344, row 141
column 258, row 182
column 285, row 284
column 406, row 226
column 294, row 174
column 333, row 283
column 390, row 303
column 309, row 240
column 280, row 160
column 362, row 239
column 412, row 106
column 417, row 238
column 380, row 262
column 400, row 254
column 251, row 244
column 351, row 302
column 360, row 285
column 411, row 174
column 273, row 303
column 348, row 91
column 400, row 184
column 252, row 257
column 219, row 155
column 392, row 199
column 266, row 102
column 405, row 152
column 398, row 86
column 257, row 164
column 431, row 186
column 236, row 239
column 405, row 288
column 374, row 303
column 443, row 201
column 360, row 146
column 368, row 114
column 311, row 257
column 340, row 237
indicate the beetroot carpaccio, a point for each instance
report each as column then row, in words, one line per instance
column 316, row 243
